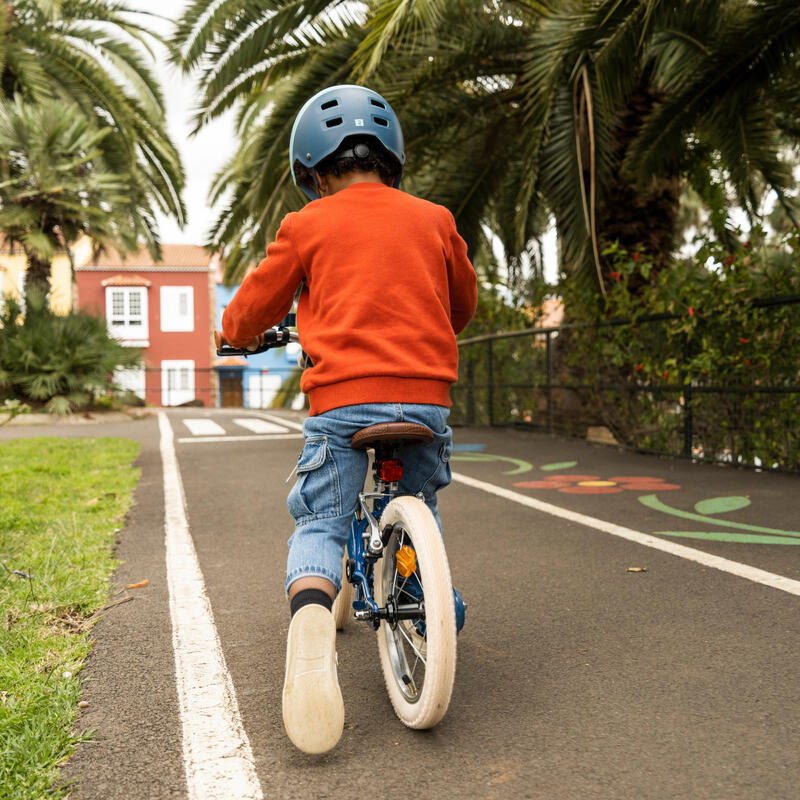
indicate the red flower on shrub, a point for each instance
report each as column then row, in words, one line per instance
column 743, row 340
column 636, row 256
column 592, row 484
column 639, row 367
column 691, row 311
column 614, row 275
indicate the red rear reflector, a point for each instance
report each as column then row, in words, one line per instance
column 390, row 470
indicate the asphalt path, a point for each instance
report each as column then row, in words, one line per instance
column 576, row 678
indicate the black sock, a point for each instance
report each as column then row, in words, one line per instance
column 307, row 596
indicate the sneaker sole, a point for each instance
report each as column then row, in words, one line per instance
column 313, row 709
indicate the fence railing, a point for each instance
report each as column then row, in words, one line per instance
column 234, row 387
column 557, row 379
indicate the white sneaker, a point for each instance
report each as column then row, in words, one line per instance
column 313, row 709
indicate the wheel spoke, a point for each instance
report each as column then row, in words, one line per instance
column 407, row 594
column 411, row 643
column 416, row 661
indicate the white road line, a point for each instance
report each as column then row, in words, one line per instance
column 216, row 751
column 281, row 421
column 258, row 425
column 254, row 438
column 203, row 427
column 706, row 559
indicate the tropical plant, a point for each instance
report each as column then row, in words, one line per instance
column 91, row 54
column 267, row 58
column 59, row 362
column 54, row 186
column 599, row 112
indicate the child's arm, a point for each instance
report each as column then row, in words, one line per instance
column 266, row 294
column 462, row 280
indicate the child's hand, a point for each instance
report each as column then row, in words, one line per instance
column 219, row 341
column 257, row 342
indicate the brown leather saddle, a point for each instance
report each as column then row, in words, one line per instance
column 398, row 434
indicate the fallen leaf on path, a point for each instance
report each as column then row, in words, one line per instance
column 139, row 585
column 637, row 569
column 83, row 704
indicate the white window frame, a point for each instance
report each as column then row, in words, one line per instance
column 172, row 319
column 177, row 381
column 120, row 325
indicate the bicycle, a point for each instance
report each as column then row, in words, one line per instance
column 396, row 576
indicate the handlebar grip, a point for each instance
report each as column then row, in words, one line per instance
column 274, row 337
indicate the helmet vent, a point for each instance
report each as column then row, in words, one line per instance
column 381, row 121
column 329, row 104
column 332, row 123
column 377, row 103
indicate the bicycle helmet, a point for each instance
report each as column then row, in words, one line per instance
column 331, row 116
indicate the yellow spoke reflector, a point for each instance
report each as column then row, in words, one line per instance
column 406, row 560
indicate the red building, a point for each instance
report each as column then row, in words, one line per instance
column 166, row 308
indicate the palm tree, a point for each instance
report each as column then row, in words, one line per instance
column 267, row 58
column 55, row 186
column 92, row 54
column 599, row 112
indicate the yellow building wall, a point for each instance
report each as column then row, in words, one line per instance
column 12, row 266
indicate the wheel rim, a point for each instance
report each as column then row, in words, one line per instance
column 406, row 642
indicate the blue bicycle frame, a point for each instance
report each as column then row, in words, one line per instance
column 360, row 562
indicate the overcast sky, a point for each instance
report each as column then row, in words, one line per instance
column 202, row 154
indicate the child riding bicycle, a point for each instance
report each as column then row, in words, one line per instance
column 384, row 287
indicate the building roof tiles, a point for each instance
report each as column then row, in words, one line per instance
column 173, row 256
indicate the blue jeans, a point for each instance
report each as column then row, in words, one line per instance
column 330, row 475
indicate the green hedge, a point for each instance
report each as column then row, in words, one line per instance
column 717, row 337
column 59, row 363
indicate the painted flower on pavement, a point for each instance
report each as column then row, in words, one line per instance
column 594, row 484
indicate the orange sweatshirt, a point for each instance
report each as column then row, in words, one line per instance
column 386, row 285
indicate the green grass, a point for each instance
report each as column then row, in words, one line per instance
column 60, row 502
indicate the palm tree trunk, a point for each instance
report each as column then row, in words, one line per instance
column 639, row 218
column 37, row 280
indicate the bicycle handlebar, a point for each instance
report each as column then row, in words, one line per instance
column 279, row 336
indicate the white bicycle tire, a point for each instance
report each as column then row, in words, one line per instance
column 425, row 707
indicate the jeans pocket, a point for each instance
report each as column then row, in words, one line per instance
column 439, row 476
column 315, row 493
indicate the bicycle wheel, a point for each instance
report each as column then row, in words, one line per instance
column 418, row 656
column 343, row 604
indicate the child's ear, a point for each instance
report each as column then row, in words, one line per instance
column 322, row 182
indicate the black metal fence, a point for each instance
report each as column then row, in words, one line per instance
column 727, row 393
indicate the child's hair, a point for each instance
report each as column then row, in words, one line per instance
column 348, row 158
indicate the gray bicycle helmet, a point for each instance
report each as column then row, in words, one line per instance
column 332, row 115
